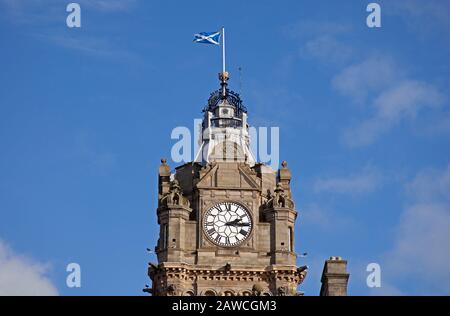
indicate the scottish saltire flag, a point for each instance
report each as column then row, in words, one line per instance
column 207, row 38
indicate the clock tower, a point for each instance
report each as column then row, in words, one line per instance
column 227, row 222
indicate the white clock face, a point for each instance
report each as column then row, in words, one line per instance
column 227, row 224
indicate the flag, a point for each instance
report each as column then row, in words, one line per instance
column 207, row 38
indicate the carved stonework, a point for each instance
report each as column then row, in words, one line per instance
column 174, row 196
column 172, row 290
column 191, row 262
column 182, row 279
column 282, row 290
column 279, row 198
column 226, row 223
column 257, row 289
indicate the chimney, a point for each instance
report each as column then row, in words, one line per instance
column 334, row 277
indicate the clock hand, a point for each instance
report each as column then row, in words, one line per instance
column 236, row 223
column 233, row 223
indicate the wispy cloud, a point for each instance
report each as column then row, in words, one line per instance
column 403, row 101
column 39, row 12
column 395, row 97
column 421, row 247
column 326, row 48
column 49, row 18
column 28, row 11
column 97, row 47
column 365, row 181
column 429, row 19
column 372, row 75
column 378, row 84
column 20, row 275
column 430, row 185
column 321, row 40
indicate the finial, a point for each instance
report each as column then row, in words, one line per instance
column 224, row 76
column 284, row 163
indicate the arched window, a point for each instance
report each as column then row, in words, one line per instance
column 209, row 293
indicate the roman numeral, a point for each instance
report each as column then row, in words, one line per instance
column 211, row 231
column 243, row 232
column 218, row 237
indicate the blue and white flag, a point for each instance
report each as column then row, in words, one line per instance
column 207, row 38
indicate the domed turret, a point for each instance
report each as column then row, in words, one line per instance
column 225, row 135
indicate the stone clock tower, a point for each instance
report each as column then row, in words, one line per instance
column 227, row 222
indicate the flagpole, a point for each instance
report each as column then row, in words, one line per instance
column 223, row 49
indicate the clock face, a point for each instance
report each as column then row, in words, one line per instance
column 227, row 224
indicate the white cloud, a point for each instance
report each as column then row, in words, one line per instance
column 372, row 75
column 402, row 101
column 22, row 276
column 50, row 13
column 365, row 133
column 326, row 48
column 103, row 48
column 430, row 185
column 406, row 99
column 40, row 12
column 321, row 40
column 426, row 18
column 421, row 249
column 365, row 181
column 394, row 98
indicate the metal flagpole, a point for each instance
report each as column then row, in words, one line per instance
column 223, row 49
column 223, row 76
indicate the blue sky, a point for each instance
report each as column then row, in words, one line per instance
column 86, row 115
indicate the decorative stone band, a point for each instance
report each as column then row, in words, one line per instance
column 196, row 280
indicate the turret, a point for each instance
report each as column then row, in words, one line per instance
column 225, row 134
